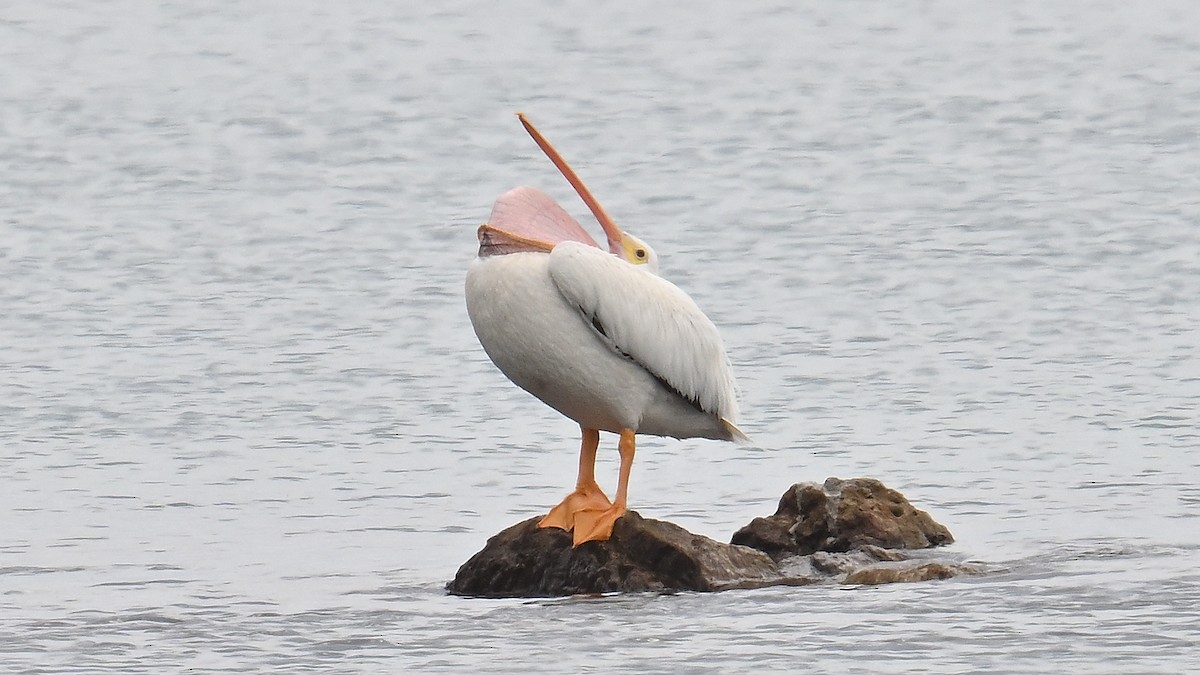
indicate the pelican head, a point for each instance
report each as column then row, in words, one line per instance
column 631, row 249
column 620, row 243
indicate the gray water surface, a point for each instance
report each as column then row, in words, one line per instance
column 245, row 424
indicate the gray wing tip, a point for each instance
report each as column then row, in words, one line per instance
column 735, row 434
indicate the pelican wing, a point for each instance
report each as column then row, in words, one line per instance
column 651, row 321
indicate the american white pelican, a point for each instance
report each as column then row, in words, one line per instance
column 598, row 337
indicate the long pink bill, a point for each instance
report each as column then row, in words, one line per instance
column 610, row 226
column 527, row 219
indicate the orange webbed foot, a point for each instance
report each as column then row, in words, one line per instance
column 596, row 524
column 565, row 515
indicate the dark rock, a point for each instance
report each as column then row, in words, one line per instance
column 854, row 531
column 642, row 555
column 840, row 516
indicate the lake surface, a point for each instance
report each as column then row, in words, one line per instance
column 245, row 424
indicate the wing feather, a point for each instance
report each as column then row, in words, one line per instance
column 650, row 320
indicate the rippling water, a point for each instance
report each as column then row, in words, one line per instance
column 246, row 425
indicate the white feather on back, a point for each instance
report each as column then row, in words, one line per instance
column 651, row 321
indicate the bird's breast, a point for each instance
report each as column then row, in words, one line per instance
column 544, row 346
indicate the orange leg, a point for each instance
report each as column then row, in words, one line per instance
column 597, row 524
column 587, row 494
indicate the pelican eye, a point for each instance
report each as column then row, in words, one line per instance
column 640, row 254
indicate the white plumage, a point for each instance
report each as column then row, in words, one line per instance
column 604, row 342
column 650, row 320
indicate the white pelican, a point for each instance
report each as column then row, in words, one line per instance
column 599, row 337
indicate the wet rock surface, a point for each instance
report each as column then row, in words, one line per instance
column 855, row 531
column 642, row 555
column 842, row 515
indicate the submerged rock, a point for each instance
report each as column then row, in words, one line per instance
column 854, row 531
column 909, row 571
column 870, row 565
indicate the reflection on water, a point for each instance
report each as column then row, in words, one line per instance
column 246, row 425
